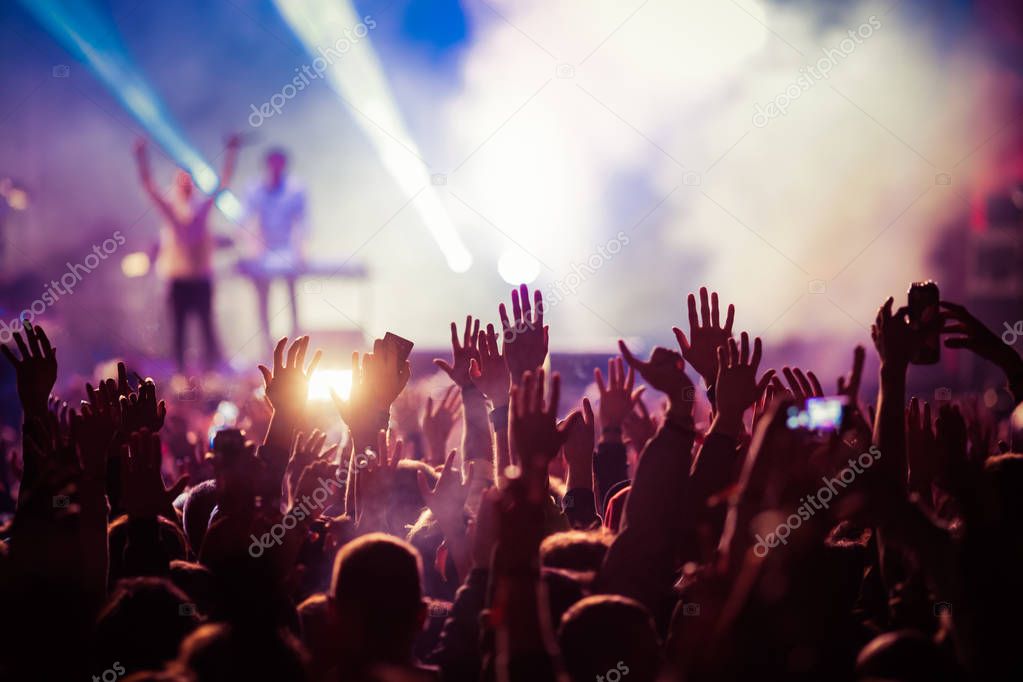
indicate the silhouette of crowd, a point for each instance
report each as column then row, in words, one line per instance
column 603, row 541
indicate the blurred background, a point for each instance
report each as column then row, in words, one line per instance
column 804, row 159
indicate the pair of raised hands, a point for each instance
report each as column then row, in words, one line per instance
column 478, row 360
column 896, row 338
column 710, row 348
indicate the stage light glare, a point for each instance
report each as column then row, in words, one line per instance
column 135, row 264
column 323, row 380
column 90, row 34
column 517, row 267
column 360, row 82
column 230, row 206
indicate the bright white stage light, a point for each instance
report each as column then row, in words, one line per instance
column 336, row 37
column 323, row 380
column 517, row 267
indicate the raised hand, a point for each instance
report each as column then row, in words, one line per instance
column 307, row 450
column 462, row 354
column 850, row 387
column 525, row 341
column 141, row 150
column 764, row 403
column 376, row 382
column 35, row 371
column 893, row 336
column 617, row 398
column 973, row 335
column 144, row 495
column 61, row 411
column 123, row 387
column 579, row 446
column 737, row 387
column 802, row 385
column 287, row 386
column 447, row 499
column 140, row 410
column 535, row 433
column 920, row 448
column 665, row 371
column 488, row 371
column 140, row 147
column 374, row 481
column 309, row 479
column 706, row 334
column 639, row 426
column 438, row 422
column 94, row 434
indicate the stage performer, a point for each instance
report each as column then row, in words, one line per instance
column 185, row 258
column 275, row 221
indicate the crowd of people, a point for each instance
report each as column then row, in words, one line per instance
column 600, row 541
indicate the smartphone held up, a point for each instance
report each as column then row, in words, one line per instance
column 925, row 318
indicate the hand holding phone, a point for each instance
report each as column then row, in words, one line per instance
column 925, row 318
column 402, row 347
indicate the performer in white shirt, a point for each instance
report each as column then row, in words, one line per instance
column 185, row 259
column 275, row 214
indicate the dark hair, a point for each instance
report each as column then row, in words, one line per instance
column 217, row 652
column 314, row 620
column 575, row 550
column 195, row 517
column 377, row 579
column 564, row 590
column 905, row 655
column 606, row 632
column 126, row 562
column 198, row 582
column 142, row 623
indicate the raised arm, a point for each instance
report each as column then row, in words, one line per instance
column 525, row 644
column 617, row 400
column 718, row 462
column 476, row 440
column 641, row 561
column 970, row 333
column 146, row 177
column 489, row 374
column 226, row 172
column 287, row 389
